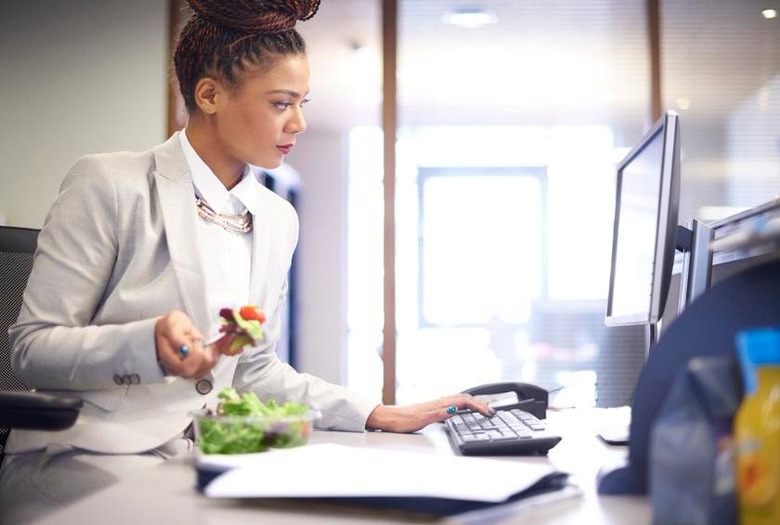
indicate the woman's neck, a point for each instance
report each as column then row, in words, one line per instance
column 209, row 149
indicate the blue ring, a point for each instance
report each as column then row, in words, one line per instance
column 452, row 409
column 184, row 351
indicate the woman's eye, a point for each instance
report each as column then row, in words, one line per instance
column 282, row 105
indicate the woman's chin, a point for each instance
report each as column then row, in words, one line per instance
column 270, row 164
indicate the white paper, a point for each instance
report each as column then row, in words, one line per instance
column 331, row 470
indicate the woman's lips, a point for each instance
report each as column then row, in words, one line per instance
column 285, row 149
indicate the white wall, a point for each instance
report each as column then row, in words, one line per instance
column 321, row 159
column 753, row 148
column 78, row 77
column 88, row 76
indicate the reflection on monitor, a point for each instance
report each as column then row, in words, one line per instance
column 645, row 227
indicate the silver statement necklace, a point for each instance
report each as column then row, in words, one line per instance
column 238, row 223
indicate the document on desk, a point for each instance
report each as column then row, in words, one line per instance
column 337, row 471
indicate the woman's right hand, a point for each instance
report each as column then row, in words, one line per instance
column 180, row 348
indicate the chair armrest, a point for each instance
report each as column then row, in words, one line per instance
column 38, row 411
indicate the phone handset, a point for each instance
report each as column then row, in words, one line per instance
column 530, row 398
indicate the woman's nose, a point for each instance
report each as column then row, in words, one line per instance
column 297, row 124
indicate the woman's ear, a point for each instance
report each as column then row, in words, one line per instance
column 206, row 92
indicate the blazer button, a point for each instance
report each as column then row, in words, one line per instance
column 135, row 379
column 203, row 387
column 118, row 379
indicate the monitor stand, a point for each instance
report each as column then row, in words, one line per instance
column 697, row 263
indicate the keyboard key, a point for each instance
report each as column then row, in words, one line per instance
column 475, row 437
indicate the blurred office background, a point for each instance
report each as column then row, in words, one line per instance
column 511, row 117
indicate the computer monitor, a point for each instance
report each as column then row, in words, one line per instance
column 645, row 227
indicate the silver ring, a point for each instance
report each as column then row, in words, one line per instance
column 184, row 351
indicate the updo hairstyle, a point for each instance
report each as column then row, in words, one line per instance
column 222, row 38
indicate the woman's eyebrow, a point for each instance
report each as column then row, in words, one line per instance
column 288, row 92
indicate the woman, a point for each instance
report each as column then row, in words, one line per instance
column 140, row 251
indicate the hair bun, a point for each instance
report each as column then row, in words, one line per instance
column 255, row 16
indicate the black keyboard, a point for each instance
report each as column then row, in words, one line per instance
column 509, row 432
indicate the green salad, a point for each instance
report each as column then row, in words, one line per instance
column 244, row 424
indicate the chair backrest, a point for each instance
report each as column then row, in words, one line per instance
column 17, row 248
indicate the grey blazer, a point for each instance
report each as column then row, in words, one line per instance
column 117, row 250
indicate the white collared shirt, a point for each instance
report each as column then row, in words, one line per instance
column 226, row 257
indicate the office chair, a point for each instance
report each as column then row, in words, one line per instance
column 19, row 407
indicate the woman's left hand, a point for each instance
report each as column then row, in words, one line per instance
column 414, row 417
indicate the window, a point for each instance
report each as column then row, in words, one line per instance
column 480, row 234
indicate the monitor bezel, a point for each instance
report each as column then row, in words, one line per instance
column 666, row 222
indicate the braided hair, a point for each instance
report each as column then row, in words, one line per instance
column 223, row 37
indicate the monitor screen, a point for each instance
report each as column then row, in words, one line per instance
column 645, row 227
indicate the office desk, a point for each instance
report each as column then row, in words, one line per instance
column 166, row 494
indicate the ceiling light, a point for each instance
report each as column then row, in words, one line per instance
column 769, row 13
column 469, row 17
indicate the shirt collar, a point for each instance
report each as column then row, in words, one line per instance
column 208, row 186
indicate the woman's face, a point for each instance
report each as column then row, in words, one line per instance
column 257, row 122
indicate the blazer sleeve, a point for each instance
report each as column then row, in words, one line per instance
column 55, row 346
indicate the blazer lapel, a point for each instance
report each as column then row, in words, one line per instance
column 177, row 204
column 261, row 249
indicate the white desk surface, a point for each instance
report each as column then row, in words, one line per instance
column 167, row 494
